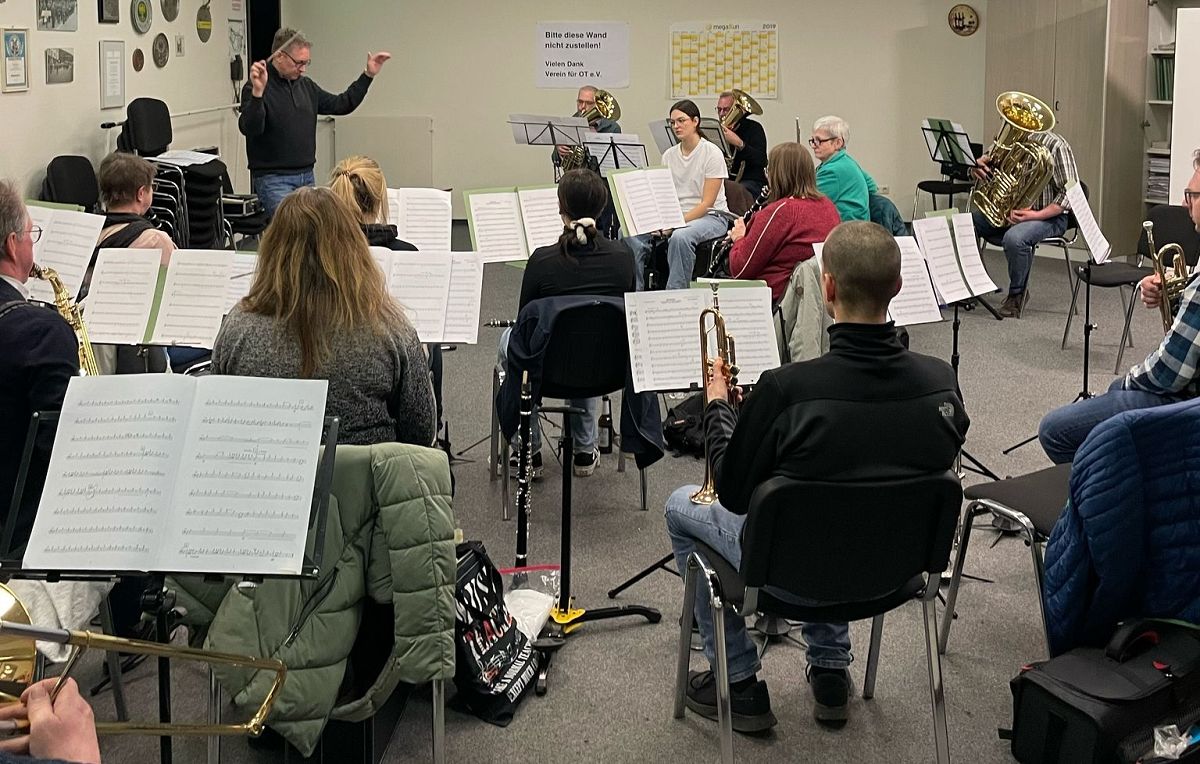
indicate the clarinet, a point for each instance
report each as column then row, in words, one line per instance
column 500, row 322
column 524, row 470
column 718, row 263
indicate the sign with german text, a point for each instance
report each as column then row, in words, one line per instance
column 569, row 54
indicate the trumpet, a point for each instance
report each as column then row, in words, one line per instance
column 711, row 320
column 1173, row 285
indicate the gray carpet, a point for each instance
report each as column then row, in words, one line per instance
column 611, row 685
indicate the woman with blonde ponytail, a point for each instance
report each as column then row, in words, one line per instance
column 359, row 182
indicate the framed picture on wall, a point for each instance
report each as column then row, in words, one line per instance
column 16, row 58
column 110, row 11
column 112, row 74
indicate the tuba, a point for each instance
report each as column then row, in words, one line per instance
column 743, row 104
column 1020, row 165
column 69, row 310
column 606, row 108
column 1173, row 285
column 712, row 320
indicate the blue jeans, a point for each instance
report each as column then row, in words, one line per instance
column 1018, row 242
column 1064, row 429
column 271, row 187
column 681, row 249
column 687, row 523
column 583, row 426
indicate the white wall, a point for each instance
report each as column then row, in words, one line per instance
column 47, row 120
column 880, row 64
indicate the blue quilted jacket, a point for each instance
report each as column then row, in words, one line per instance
column 1128, row 544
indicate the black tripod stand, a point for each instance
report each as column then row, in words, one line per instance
column 971, row 463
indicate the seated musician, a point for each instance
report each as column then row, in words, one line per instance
column 782, row 234
column 59, row 731
column 319, row 309
column 583, row 261
column 698, row 170
column 817, row 419
column 748, row 141
column 839, row 177
column 1168, row 375
column 585, row 101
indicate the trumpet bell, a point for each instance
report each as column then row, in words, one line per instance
column 18, row 656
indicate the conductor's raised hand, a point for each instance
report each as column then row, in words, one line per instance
column 375, row 62
column 258, row 78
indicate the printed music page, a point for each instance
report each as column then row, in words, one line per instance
column 112, row 473
column 193, row 299
column 393, row 208
column 666, row 197
column 247, row 474
column 422, row 217
column 241, row 278
column 1097, row 243
column 466, row 293
column 664, row 338
column 121, row 296
column 747, row 312
column 539, row 215
column 420, row 283
column 933, row 236
column 68, row 240
column 916, row 303
column 497, row 233
column 635, row 200
column 968, row 255
column 383, row 258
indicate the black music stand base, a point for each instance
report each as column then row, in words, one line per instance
column 974, row 465
column 663, row 564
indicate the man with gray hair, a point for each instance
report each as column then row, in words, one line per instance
column 279, row 115
column 40, row 355
column 839, row 177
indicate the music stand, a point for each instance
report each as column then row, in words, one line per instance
column 540, row 130
column 616, row 151
column 948, row 145
column 664, row 134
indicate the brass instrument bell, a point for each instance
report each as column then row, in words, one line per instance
column 1020, row 165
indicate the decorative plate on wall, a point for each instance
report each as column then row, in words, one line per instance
column 204, row 22
column 139, row 59
column 170, row 9
column 141, row 13
column 963, row 19
column 160, row 50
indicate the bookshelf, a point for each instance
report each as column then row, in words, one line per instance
column 1161, row 109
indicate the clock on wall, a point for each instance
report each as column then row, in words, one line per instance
column 963, row 19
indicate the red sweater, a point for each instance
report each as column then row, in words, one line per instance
column 781, row 235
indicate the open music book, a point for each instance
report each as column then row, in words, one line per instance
column 510, row 223
column 440, row 292
column 68, row 240
column 646, row 200
column 956, row 274
column 421, row 217
column 1097, row 242
column 664, row 334
column 165, row 472
column 134, row 300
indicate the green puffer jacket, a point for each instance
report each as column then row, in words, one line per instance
column 390, row 537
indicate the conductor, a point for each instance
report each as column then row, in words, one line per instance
column 279, row 115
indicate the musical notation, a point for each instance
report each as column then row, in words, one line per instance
column 540, row 217
column 1097, row 242
column 976, row 275
column 121, row 295
column 464, row 298
column 193, row 298
column 496, row 228
column 933, row 235
column 916, row 303
column 420, row 283
column 648, row 199
column 422, row 217
column 664, row 345
column 66, row 245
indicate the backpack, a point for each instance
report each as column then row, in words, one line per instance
column 683, row 429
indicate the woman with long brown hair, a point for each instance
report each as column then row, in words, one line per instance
column 782, row 234
column 319, row 309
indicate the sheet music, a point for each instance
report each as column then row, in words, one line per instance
column 420, row 282
column 466, row 293
column 664, row 338
column 68, row 240
column 194, row 297
column 393, row 203
column 112, row 473
column 422, row 217
column 121, row 296
column 968, row 255
column 539, row 216
column 1097, row 243
column 933, row 235
column 628, row 151
column 241, row 278
column 245, row 491
column 747, row 312
column 496, row 228
column 185, row 158
column 666, row 197
column 648, row 199
column 916, row 303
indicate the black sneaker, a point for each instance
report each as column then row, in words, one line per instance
column 536, row 460
column 585, row 464
column 751, row 707
column 831, row 695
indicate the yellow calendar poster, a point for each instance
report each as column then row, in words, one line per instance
column 709, row 58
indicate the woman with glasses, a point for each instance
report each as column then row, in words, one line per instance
column 782, row 234
column 698, row 170
column 839, row 177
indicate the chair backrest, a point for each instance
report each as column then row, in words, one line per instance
column 147, row 128
column 849, row 542
column 737, row 197
column 588, row 352
column 71, row 179
column 1172, row 225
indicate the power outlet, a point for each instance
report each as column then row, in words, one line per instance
column 884, row 190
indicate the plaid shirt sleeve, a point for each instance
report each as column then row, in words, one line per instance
column 1172, row 368
column 1063, row 171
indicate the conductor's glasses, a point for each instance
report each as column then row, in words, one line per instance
column 299, row 64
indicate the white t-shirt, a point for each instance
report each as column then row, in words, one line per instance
column 689, row 173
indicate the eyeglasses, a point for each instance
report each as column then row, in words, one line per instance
column 35, row 233
column 1190, row 196
column 679, row 122
column 814, row 142
column 299, row 64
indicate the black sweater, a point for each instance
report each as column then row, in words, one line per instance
column 753, row 155
column 601, row 267
column 869, row 409
column 281, row 127
column 380, row 235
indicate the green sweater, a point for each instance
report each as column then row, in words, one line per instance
column 847, row 185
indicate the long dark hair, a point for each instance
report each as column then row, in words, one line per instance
column 689, row 107
column 581, row 194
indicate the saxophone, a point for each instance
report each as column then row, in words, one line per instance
column 69, row 310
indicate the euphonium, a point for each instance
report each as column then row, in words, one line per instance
column 1020, row 165
column 726, row 351
column 1173, row 285
column 606, row 107
column 743, row 104
column 69, row 310
column 18, row 668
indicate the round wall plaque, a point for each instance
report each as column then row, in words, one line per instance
column 170, row 9
column 139, row 59
column 141, row 13
column 963, row 19
column 204, row 22
column 160, row 51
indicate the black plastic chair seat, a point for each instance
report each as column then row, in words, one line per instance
column 1040, row 496
column 943, row 187
column 1114, row 274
